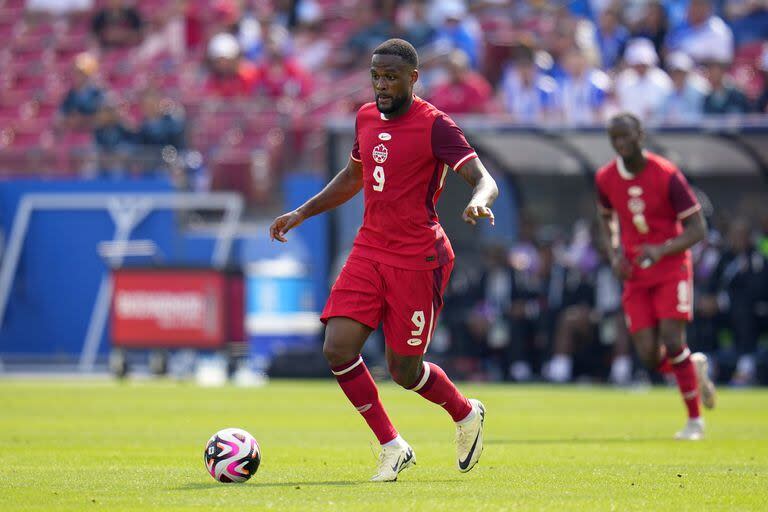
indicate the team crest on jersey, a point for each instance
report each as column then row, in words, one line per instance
column 636, row 205
column 380, row 153
column 635, row 191
column 384, row 136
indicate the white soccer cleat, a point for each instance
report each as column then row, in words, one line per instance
column 693, row 431
column 469, row 438
column 392, row 460
column 706, row 386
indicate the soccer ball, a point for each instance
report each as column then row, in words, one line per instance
column 232, row 455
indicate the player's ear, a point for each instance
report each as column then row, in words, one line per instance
column 414, row 76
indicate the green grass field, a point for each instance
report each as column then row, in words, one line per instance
column 102, row 445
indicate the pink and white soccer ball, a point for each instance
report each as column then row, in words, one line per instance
column 232, row 455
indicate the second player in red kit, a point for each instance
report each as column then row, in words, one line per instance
column 401, row 259
column 659, row 219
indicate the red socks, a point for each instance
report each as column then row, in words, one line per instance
column 356, row 382
column 434, row 385
column 685, row 374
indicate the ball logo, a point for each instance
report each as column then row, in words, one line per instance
column 380, row 153
column 384, row 136
column 636, row 205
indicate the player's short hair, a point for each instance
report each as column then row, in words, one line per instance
column 401, row 48
column 626, row 117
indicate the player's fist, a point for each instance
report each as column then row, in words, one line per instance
column 649, row 254
column 284, row 223
column 473, row 212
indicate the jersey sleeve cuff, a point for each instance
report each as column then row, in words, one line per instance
column 464, row 160
column 353, row 158
column 690, row 211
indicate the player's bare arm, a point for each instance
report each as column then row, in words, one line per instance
column 610, row 236
column 345, row 185
column 694, row 231
column 484, row 191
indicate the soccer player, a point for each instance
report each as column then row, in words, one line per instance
column 659, row 220
column 401, row 259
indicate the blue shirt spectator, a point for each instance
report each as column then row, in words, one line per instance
column 748, row 19
column 725, row 98
column 85, row 97
column 582, row 91
column 528, row 94
column 685, row 102
column 704, row 36
column 612, row 37
column 455, row 31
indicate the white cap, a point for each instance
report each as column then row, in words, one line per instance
column 641, row 51
column 223, row 45
column 679, row 61
column 451, row 10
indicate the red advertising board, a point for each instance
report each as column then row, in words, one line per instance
column 169, row 308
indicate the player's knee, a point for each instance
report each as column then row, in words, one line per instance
column 336, row 354
column 402, row 375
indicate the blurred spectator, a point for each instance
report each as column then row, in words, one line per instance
column 748, row 19
column 85, row 96
column 455, row 30
column 612, row 37
column 582, row 89
column 113, row 138
column 685, row 103
column 162, row 124
column 590, row 330
column 528, row 95
column 412, row 25
column 312, row 48
column 738, row 284
column 373, row 30
column 278, row 75
column 230, row 75
column 643, row 86
column 465, row 91
column 118, row 24
column 161, row 133
column 704, row 36
column 58, row 7
column 166, row 33
column 762, row 100
column 488, row 322
column 725, row 97
column 653, row 25
column 762, row 242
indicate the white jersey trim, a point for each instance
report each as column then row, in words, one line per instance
column 463, row 160
column 690, row 211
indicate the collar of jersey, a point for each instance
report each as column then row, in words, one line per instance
column 410, row 109
column 623, row 172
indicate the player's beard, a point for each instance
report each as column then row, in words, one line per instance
column 396, row 103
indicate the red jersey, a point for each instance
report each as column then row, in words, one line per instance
column 405, row 161
column 650, row 206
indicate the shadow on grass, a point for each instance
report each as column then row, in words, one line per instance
column 203, row 486
column 580, row 440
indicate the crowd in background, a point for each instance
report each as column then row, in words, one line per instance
column 549, row 308
column 167, row 85
column 533, row 62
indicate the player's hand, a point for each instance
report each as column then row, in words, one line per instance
column 649, row 254
column 283, row 224
column 620, row 266
column 473, row 212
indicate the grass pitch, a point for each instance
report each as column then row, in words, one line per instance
column 103, row 445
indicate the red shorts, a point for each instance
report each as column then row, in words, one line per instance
column 406, row 302
column 645, row 305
